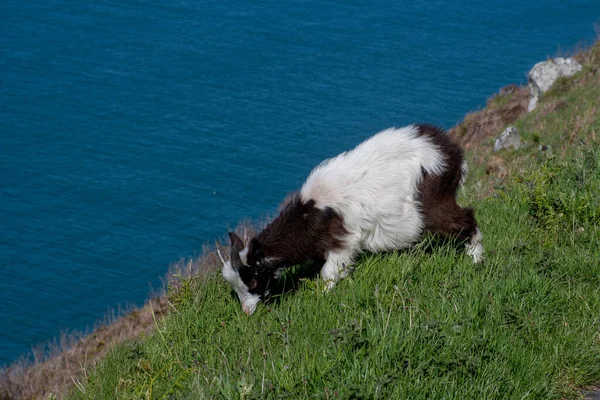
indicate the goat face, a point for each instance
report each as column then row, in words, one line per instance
column 243, row 272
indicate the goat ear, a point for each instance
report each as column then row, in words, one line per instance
column 253, row 284
column 256, row 250
column 236, row 241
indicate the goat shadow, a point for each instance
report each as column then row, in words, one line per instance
column 292, row 279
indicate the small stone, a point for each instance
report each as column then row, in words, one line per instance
column 591, row 394
column 509, row 138
column 532, row 103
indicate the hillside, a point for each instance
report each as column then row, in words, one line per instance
column 424, row 323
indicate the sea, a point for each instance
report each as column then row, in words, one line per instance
column 132, row 133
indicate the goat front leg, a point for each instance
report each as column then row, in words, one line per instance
column 337, row 266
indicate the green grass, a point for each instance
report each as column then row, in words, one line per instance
column 421, row 324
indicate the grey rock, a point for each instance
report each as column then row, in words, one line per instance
column 591, row 394
column 543, row 75
column 509, row 138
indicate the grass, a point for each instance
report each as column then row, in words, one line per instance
column 421, row 324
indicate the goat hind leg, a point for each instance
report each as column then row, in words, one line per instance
column 474, row 246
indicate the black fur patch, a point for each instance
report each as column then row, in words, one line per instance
column 300, row 233
column 437, row 193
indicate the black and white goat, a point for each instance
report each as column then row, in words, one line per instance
column 382, row 195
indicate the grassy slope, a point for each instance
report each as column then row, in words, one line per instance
column 425, row 323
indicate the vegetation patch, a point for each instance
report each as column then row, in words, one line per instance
column 423, row 323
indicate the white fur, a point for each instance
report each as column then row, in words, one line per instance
column 374, row 188
column 249, row 301
column 475, row 248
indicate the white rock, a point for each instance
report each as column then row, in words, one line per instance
column 543, row 75
column 509, row 138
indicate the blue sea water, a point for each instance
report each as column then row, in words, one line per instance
column 131, row 133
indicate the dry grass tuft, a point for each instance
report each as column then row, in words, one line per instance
column 502, row 109
column 592, row 55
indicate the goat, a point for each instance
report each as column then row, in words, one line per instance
column 382, row 195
